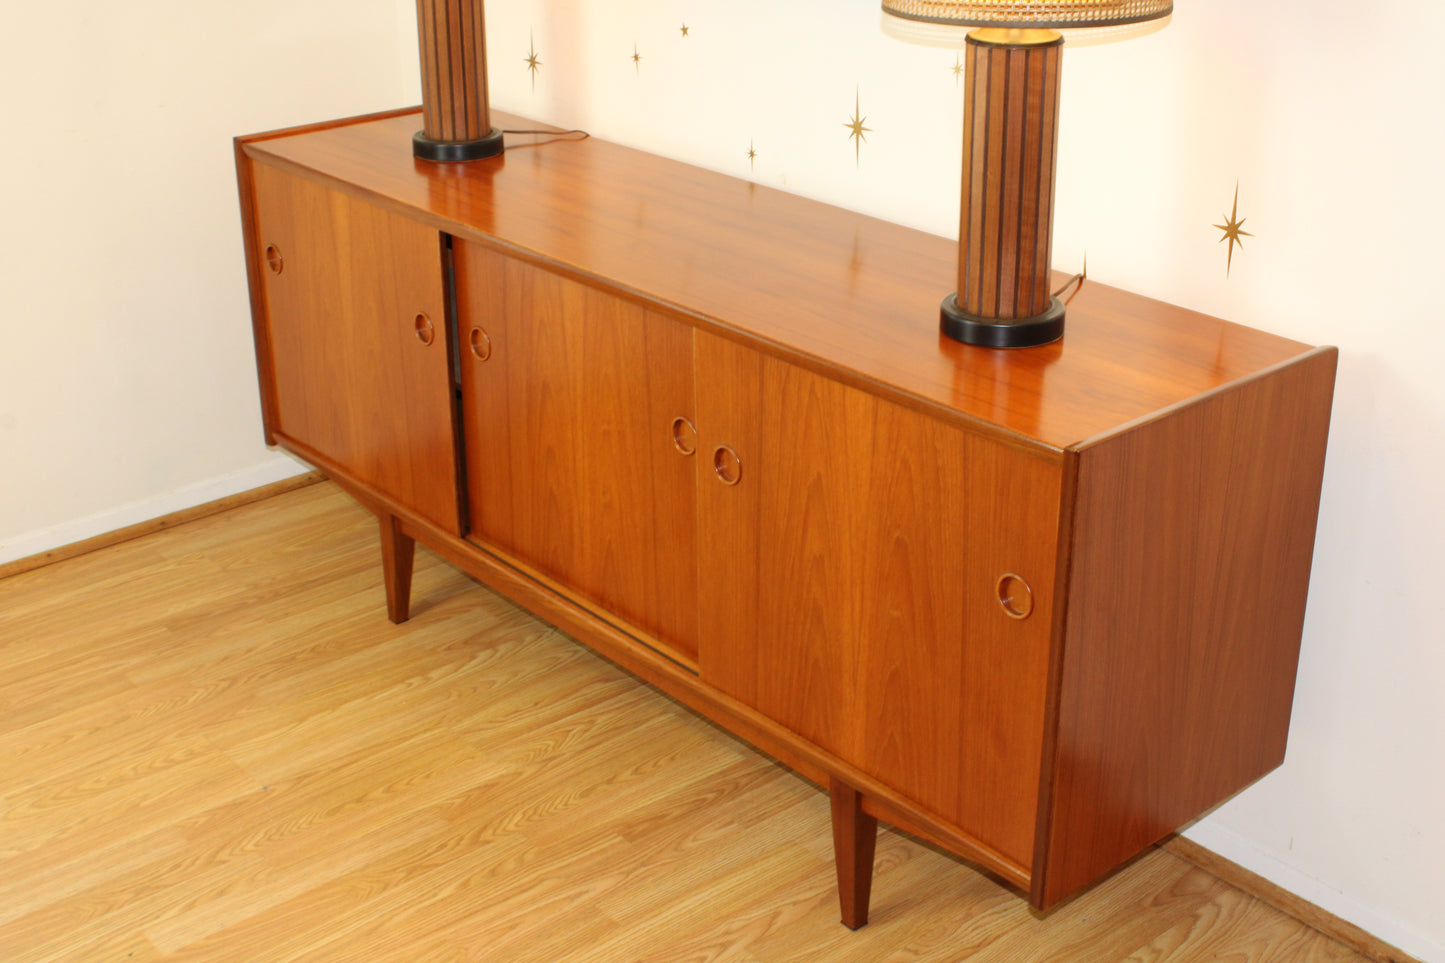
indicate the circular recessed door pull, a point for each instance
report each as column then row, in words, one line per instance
column 1015, row 596
column 425, row 330
column 274, row 260
column 684, row 435
column 480, row 343
column 727, row 465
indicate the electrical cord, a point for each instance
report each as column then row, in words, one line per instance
column 1079, row 279
column 553, row 135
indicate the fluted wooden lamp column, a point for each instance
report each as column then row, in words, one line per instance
column 456, row 116
column 1010, row 125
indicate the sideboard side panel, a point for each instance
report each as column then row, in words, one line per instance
column 1193, row 534
column 265, row 373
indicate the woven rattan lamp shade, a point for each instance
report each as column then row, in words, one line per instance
column 1054, row 14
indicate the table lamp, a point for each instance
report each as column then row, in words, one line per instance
column 456, row 117
column 1010, row 130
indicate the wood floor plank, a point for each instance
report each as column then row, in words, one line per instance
column 40, row 825
column 370, row 912
column 356, row 842
column 282, row 825
column 215, row 748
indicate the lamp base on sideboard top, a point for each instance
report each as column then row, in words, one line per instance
column 1002, row 332
column 457, row 150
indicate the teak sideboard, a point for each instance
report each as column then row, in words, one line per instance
column 1041, row 607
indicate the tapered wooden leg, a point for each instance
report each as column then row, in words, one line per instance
column 855, row 836
column 398, row 551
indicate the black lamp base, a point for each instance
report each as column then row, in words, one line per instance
column 1002, row 333
column 457, row 150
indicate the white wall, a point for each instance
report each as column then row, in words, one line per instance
column 127, row 380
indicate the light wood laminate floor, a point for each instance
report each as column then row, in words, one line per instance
column 214, row 746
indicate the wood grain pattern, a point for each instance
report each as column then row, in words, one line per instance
column 781, row 635
column 1009, row 528
column 849, row 587
column 453, row 44
column 168, row 520
column 1010, row 123
column 851, row 296
column 217, row 751
column 1190, row 566
column 1291, row 905
column 398, row 556
column 256, row 285
column 568, row 438
column 352, row 379
column 646, row 658
column 855, row 842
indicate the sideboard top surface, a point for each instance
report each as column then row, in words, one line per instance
column 832, row 288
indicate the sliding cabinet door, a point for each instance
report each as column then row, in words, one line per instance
column 578, row 415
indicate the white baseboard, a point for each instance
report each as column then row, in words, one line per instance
column 1372, row 919
column 78, row 530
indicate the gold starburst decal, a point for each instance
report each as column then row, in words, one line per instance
column 957, row 69
column 752, row 157
column 684, row 30
column 533, row 64
column 856, row 130
column 636, row 59
column 1233, row 231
